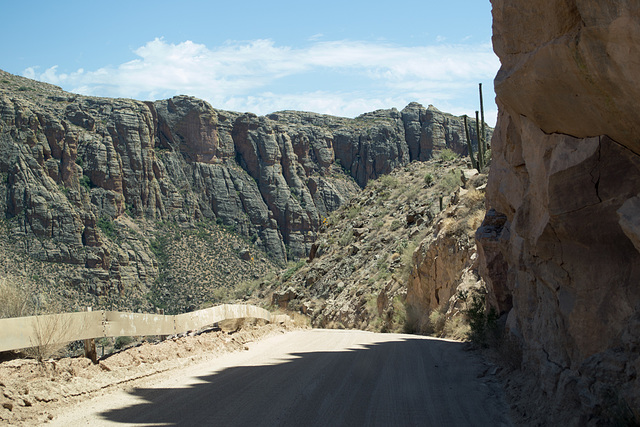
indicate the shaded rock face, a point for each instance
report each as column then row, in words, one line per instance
column 559, row 250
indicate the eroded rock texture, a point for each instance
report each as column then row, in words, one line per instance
column 75, row 167
column 560, row 248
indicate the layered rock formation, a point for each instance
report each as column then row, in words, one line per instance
column 77, row 169
column 559, row 249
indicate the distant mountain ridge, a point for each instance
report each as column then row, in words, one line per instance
column 74, row 167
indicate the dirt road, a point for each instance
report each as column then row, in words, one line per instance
column 314, row 377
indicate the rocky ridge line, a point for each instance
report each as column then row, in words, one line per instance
column 77, row 170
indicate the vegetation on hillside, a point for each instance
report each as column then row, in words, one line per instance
column 358, row 274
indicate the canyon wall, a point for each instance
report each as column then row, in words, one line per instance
column 74, row 168
column 560, row 246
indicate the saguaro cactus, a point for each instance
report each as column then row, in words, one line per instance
column 483, row 136
column 474, row 163
column 480, row 148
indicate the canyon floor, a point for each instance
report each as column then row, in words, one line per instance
column 276, row 377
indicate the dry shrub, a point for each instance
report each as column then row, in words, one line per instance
column 456, row 327
column 296, row 318
column 449, row 225
column 437, row 320
column 13, row 301
column 235, row 325
column 475, row 219
column 49, row 336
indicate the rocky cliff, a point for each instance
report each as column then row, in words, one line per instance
column 559, row 247
column 96, row 183
column 393, row 254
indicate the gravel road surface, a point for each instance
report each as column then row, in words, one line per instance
column 314, row 378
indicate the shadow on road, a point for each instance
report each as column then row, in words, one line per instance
column 405, row 382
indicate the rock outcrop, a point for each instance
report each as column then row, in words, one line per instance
column 445, row 264
column 389, row 257
column 77, row 171
column 559, row 249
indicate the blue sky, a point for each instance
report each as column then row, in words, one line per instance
column 336, row 57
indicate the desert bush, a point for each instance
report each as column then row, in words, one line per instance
column 406, row 257
column 353, row 211
column 450, row 182
column 483, row 323
column 456, row 328
column 446, row 155
column 428, row 179
column 245, row 288
column 122, row 342
column 107, row 227
column 437, row 321
column 346, row 238
column 292, row 269
column 85, row 181
column 13, row 301
column 388, row 181
column 299, row 320
column 49, row 332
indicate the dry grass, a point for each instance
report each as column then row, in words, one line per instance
column 13, row 301
column 437, row 320
column 456, row 328
column 467, row 216
column 49, row 332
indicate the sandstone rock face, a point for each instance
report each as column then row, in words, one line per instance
column 559, row 250
column 75, row 169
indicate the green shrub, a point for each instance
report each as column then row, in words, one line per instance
column 388, row 181
column 346, row 238
column 293, row 268
column 353, row 211
column 483, row 324
column 85, row 182
column 122, row 342
column 107, row 227
column 428, row 179
column 446, row 155
column 450, row 182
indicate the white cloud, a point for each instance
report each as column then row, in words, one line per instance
column 253, row 76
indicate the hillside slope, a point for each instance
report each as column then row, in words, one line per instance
column 394, row 254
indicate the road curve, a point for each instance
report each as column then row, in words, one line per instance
column 314, row 378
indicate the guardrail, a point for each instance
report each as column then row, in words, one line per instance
column 33, row 331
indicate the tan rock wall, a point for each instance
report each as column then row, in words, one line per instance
column 566, row 176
